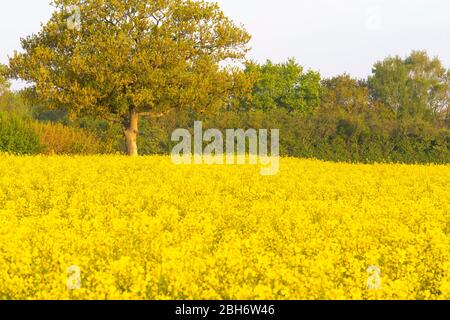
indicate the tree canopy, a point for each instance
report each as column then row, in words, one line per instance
column 4, row 84
column 131, row 58
column 417, row 86
column 283, row 85
column 344, row 93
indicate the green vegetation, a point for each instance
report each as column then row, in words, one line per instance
column 16, row 136
column 59, row 139
column 122, row 74
column 283, row 85
column 132, row 59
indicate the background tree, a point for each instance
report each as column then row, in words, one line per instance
column 343, row 93
column 132, row 58
column 413, row 87
column 4, row 88
column 283, row 85
column 10, row 101
column 4, row 84
column 446, row 111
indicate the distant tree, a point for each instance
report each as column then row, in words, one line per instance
column 283, row 85
column 9, row 101
column 344, row 93
column 4, row 84
column 446, row 111
column 417, row 86
column 132, row 58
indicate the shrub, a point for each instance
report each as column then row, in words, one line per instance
column 110, row 135
column 335, row 137
column 16, row 135
column 59, row 139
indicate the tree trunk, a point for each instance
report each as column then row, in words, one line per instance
column 131, row 134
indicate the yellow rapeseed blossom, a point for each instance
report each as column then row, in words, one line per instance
column 112, row 227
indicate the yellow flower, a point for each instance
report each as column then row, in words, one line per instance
column 145, row 228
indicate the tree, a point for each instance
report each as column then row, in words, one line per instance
column 283, row 85
column 9, row 101
column 446, row 110
column 343, row 93
column 4, row 84
column 417, row 86
column 132, row 58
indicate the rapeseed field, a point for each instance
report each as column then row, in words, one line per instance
column 113, row 227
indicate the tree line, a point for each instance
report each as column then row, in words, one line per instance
column 139, row 69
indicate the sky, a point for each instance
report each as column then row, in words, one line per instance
column 330, row 36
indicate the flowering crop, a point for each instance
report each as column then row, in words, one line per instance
column 112, row 227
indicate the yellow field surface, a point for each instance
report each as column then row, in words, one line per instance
column 112, row 227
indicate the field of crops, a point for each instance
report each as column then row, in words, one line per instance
column 111, row 227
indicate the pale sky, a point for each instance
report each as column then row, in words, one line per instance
column 329, row 36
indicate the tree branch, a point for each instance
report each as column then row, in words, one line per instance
column 155, row 115
column 112, row 119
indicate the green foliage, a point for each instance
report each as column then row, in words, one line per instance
column 366, row 138
column 132, row 58
column 110, row 135
column 16, row 135
column 4, row 84
column 121, row 64
column 63, row 140
column 12, row 102
column 283, row 85
column 343, row 94
column 415, row 87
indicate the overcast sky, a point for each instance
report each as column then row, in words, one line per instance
column 331, row 36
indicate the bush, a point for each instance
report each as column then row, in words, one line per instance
column 59, row 139
column 335, row 137
column 110, row 136
column 16, row 135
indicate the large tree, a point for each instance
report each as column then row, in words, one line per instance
column 417, row 86
column 132, row 58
